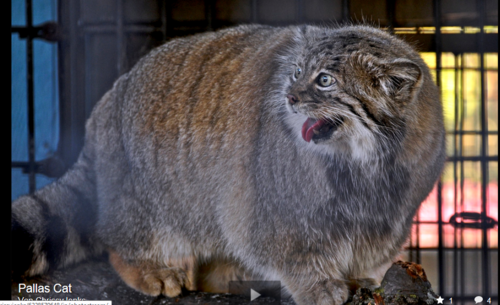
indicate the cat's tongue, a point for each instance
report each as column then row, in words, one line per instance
column 309, row 126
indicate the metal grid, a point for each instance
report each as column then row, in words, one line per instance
column 463, row 220
column 77, row 43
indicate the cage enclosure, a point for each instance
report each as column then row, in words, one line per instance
column 67, row 54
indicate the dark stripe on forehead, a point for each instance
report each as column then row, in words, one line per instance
column 328, row 45
column 373, row 45
column 352, row 48
column 333, row 68
column 350, row 39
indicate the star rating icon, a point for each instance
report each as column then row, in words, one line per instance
column 440, row 300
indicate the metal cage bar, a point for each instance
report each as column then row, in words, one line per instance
column 437, row 37
column 484, row 150
column 31, row 98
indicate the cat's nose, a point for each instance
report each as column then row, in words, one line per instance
column 292, row 99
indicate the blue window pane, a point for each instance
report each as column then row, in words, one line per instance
column 46, row 99
column 18, row 13
column 44, row 10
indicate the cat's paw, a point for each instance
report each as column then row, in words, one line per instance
column 326, row 292
column 152, row 279
column 166, row 281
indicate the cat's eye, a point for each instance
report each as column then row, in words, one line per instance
column 325, row 80
column 298, row 71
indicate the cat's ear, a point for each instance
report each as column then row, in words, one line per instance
column 401, row 79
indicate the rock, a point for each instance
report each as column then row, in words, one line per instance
column 403, row 283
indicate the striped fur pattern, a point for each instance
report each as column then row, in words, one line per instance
column 298, row 154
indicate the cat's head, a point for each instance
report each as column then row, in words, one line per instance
column 348, row 90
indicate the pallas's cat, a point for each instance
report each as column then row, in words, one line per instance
column 298, row 154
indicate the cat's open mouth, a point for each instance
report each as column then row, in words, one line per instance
column 318, row 129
